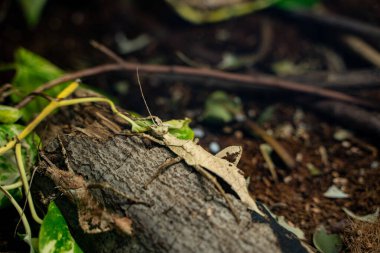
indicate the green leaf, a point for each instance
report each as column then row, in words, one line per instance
column 313, row 170
column 32, row 10
column 370, row 218
column 177, row 127
column 221, row 109
column 8, row 166
column 267, row 114
column 54, row 234
column 31, row 72
column 327, row 243
column 180, row 129
column 296, row 4
column 199, row 12
column 9, row 114
column 142, row 125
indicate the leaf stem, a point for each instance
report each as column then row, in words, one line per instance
column 12, row 186
column 25, row 222
column 24, row 179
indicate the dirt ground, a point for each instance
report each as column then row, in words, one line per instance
column 312, row 138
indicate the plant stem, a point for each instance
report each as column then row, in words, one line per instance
column 24, row 179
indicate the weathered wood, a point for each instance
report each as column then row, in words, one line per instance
column 183, row 211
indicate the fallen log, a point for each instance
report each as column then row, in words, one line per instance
column 95, row 171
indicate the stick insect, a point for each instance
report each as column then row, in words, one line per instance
column 194, row 155
column 202, row 161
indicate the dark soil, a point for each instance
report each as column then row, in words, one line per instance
column 353, row 165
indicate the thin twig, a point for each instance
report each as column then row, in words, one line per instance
column 285, row 156
column 3, row 89
column 119, row 60
column 238, row 81
column 353, row 79
column 334, row 22
column 363, row 48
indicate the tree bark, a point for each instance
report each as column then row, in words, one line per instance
column 96, row 171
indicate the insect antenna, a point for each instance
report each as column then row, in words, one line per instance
column 143, row 97
column 119, row 60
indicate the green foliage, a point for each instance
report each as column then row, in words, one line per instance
column 9, row 114
column 8, row 166
column 31, row 72
column 54, row 234
column 221, row 109
column 199, row 12
column 327, row 243
column 142, row 124
column 32, row 10
column 180, row 129
column 296, row 4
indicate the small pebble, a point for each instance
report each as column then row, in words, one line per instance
column 198, row 132
column 214, row 147
column 340, row 181
column 346, row 144
column 288, row 179
column 299, row 157
column 355, row 150
column 238, row 134
column 240, row 118
column 227, row 130
column 316, row 200
column 374, row 165
column 252, row 113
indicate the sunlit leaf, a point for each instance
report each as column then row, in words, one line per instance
column 335, row 193
column 32, row 10
column 221, row 108
column 214, row 11
column 54, row 234
column 31, row 72
column 371, row 218
column 180, row 129
column 9, row 114
column 8, row 166
column 326, row 243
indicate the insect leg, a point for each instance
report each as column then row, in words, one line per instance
column 151, row 138
column 169, row 162
column 213, row 180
